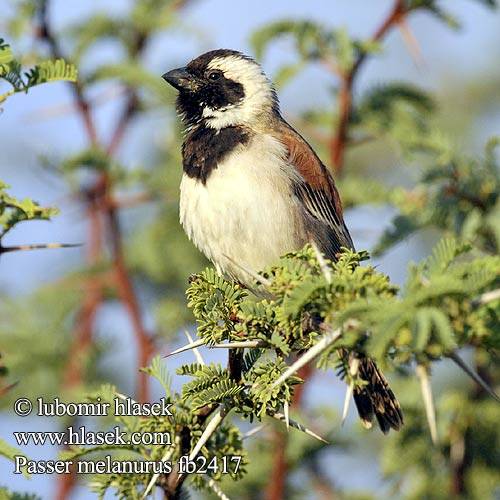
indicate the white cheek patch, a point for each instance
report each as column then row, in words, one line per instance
column 258, row 93
column 223, row 117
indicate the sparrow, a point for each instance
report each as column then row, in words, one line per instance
column 253, row 189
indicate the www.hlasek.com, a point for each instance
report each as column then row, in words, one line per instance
column 116, row 437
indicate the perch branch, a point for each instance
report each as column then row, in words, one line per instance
column 347, row 79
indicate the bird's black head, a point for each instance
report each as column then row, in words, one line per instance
column 222, row 88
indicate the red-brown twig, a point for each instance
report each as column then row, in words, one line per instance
column 123, row 281
column 276, row 486
column 129, row 111
column 339, row 139
column 411, row 42
column 7, row 388
column 99, row 203
column 128, row 297
column 93, row 293
column 45, row 33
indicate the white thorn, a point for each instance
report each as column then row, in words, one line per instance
column 236, row 345
column 253, row 274
column 425, row 385
column 209, row 430
column 347, row 401
column 253, row 431
column 286, row 412
column 197, row 354
column 322, row 262
column 487, row 297
column 316, row 349
column 215, row 487
column 193, row 345
column 122, row 396
column 166, row 457
column 281, row 418
column 353, row 370
column 353, row 366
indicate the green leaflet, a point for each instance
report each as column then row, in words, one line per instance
column 456, row 194
column 10, row 452
column 43, row 72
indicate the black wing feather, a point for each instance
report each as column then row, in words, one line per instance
column 322, row 209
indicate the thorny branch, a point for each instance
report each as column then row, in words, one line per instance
column 276, row 486
column 103, row 223
column 172, row 483
column 93, row 294
column 103, row 216
column 101, row 208
column 45, row 33
column 340, row 138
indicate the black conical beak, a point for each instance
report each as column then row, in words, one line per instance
column 181, row 79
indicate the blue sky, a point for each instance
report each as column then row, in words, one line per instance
column 222, row 23
column 227, row 24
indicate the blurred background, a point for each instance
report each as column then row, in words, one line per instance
column 106, row 153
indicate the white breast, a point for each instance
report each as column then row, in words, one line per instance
column 246, row 212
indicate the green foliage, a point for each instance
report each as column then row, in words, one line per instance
column 46, row 339
column 463, row 428
column 214, row 301
column 21, row 22
column 10, row 452
column 457, row 195
column 43, row 72
column 8, row 495
column 397, row 110
column 185, row 423
column 440, row 308
column 211, row 384
column 313, row 43
column 13, row 211
column 92, row 159
column 435, row 313
column 434, row 8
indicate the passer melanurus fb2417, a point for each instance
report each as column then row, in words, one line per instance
column 253, row 189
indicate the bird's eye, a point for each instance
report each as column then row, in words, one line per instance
column 214, row 75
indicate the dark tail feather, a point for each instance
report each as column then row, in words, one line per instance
column 376, row 398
